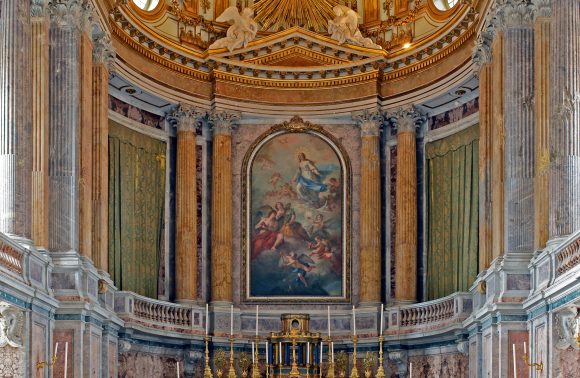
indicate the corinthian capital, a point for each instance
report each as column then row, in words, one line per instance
column 406, row 119
column 514, row 13
column 542, row 8
column 76, row 14
column 186, row 117
column 224, row 122
column 369, row 122
column 482, row 51
column 38, row 8
column 103, row 52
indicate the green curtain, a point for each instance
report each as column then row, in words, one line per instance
column 453, row 212
column 136, row 206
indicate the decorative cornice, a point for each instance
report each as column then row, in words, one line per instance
column 186, row 117
column 223, row 122
column 103, row 52
column 406, row 119
column 369, row 122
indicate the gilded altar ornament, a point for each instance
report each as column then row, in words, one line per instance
column 294, row 372
column 344, row 28
column 354, row 370
column 207, row 372
column 381, row 369
column 242, row 31
column 341, row 363
column 232, row 372
column 368, row 364
column 244, row 362
column 220, row 362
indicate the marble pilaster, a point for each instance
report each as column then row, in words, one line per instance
column 518, row 53
column 564, row 140
column 370, row 207
column 15, row 118
column 222, row 215
column 40, row 79
column 64, row 120
column 187, row 120
column 406, row 122
column 102, row 58
column 542, row 54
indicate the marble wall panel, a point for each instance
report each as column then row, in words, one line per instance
column 540, row 349
column 517, row 338
column 63, row 281
column 61, row 337
column 11, row 362
column 37, row 348
column 94, row 356
column 112, row 352
column 568, row 363
column 440, row 365
column 518, row 282
column 141, row 365
column 348, row 136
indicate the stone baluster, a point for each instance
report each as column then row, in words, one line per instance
column 15, row 118
column 103, row 56
column 222, row 216
column 370, row 213
column 542, row 52
column 187, row 121
column 66, row 33
column 564, row 212
column 518, row 45
column 406, row 122
column 40, row 77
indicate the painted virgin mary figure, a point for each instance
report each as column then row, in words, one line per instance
column 308, row 181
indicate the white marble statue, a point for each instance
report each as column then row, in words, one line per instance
column 242, row 31
column 344, row 28
column 11, row 326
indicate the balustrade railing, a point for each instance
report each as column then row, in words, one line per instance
column 567, row 256
column 11, row 258
column 433, row 314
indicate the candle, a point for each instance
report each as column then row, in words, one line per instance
column 266, row 353
column 232, row 321
column 280, row 353
column 177, row 369
column 411, row 370
column 328, row 309
column 308, row 353
column 514, row 356
column 382, row 309
column 332, row 352
column 256, row 320
column 353, row 321
column 206, row 318
column 321, row 344
column 253, row 352
column 56, row 350
column 65, row 359
column 525, row 349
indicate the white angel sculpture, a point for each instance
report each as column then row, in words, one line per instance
column 242, row 31
column 344, row 28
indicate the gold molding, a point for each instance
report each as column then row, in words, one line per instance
column 297, row 125
column 274, row 57
column 442, row 15
column 152, row 15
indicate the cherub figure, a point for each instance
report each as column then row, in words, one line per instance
column 320, row 248
column 242, row 31
column 274, row 179
column 344, row 28
column 302, row 264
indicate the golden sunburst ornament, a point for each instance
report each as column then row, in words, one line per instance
column 277, row 15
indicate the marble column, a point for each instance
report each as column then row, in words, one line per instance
column 222, row 215
column 40, row 78
column 15, row 118
column 187, row 120
column 542, row 52
column 67, row 28
column 564, row 213
column 483, row 68
column 518, row 52
column 406, row 122
column 370, row 208
column 102, row 59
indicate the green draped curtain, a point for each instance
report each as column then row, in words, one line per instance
column 453, row 210
column 136, row 205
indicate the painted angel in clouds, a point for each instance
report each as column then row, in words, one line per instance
column 243, row 29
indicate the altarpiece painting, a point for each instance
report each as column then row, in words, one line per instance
column 296, row 216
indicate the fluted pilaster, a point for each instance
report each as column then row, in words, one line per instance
column 519, row 125
column 40, row 79
column 65, row 117
column 102, row 58
column 564, row 136
column 221, row 221
column 406, row 122
column 187, row 119
column 15, row 118
column 370, row 207
column 542, row 54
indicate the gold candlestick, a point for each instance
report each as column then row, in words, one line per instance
column 380, row 370
column 330, row 371
column 232, row 372
column 294, row 372
column 207, row 372
column 256, row 366
column 538, row 366
column 354, row 371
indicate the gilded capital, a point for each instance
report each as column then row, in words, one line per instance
column 187, row 117
column 406, row 119
column 223, row 122
column 369, row 122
